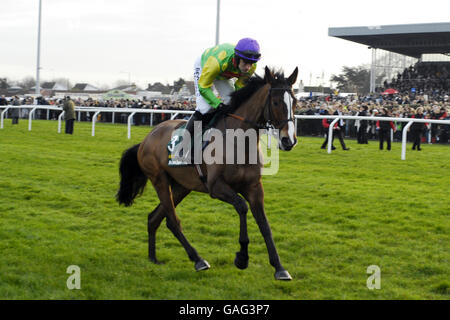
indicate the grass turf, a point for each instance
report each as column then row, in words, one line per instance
column 332, row 216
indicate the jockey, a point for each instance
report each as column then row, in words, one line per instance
column 216, row 67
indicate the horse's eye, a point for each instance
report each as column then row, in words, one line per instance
column 275, row 103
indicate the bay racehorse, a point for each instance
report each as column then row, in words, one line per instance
column 263, row 102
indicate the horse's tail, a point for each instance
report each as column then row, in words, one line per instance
column 132, row 179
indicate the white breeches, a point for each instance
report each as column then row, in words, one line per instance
column 223, row 87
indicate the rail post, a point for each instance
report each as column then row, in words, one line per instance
column 330, row 134
column 296, row 132
column 2, row 116
column 30, row 118
column 130, row 117
column 59, row 121
column 94, row 119
column 404, row 135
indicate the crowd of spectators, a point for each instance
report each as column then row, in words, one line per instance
column 423, row 78
column 396, row 106
column 164, row 104
column 139, row 118
column 424, row 85
column 119, row 117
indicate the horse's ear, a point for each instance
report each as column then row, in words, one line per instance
column 268, row 76
column 293, row 77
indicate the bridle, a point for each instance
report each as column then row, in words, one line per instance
column 269, row 106
column 268, row 113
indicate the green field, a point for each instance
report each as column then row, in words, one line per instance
column 332, row 216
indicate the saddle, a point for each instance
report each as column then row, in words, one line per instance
column 179, row 157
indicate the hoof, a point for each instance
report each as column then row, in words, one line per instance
column 156, row 261
column 241, row 261
column 283, row 275
column 202, row 265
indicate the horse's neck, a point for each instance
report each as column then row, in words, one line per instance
column 252, row 110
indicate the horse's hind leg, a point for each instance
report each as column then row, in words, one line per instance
column 154, row 220
column 165, row 194
column 156, row 216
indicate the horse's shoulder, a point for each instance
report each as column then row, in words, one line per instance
column 170, row 124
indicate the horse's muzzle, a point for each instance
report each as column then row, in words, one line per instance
column 286, row 144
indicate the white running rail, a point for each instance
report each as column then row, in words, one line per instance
column 174, row 113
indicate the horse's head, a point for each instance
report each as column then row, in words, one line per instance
column 279, row 109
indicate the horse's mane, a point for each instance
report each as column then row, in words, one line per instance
column 253, row 84
column 240, row 96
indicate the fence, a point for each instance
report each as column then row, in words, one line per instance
column 175, row 113
column 336, row 118
column 96, row 111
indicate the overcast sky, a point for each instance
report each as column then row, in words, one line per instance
column 102, row 41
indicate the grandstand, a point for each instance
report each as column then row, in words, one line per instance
column 412, row 57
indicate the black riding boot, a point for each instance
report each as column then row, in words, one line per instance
column 196, row 116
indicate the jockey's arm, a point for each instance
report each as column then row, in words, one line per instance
column 210, row 72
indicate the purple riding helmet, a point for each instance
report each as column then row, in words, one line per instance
column 248, row 49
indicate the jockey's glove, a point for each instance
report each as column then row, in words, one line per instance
column 224, row 108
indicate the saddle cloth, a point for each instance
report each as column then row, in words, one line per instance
column 175, row 159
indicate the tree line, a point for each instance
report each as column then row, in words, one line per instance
column 351, row 79
column 29, row 82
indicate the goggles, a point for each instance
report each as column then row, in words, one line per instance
column 249, row 55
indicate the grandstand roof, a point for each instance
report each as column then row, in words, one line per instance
column 408, row 39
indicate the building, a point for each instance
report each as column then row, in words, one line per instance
column 128, row 88
column 411, row 42
column 84, row 87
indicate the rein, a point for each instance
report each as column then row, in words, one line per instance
column 252, row 123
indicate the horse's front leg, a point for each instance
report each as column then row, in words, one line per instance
column 255, row 197
column 221, row 190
